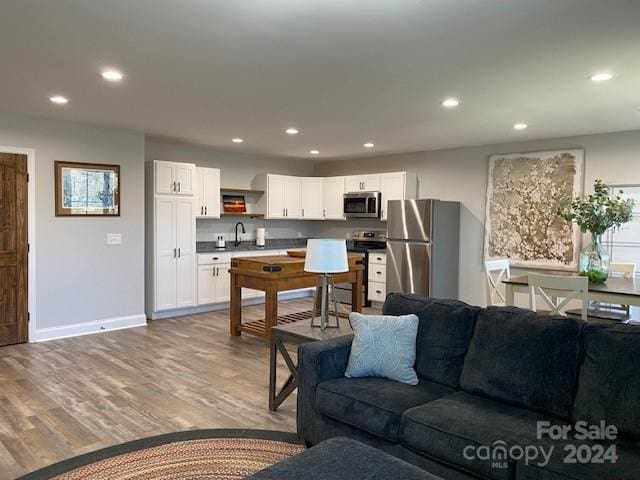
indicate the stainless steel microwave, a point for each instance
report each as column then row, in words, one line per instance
column 362, row 204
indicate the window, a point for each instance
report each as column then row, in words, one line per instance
column 624, row 244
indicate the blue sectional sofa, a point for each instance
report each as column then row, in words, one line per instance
column 499, row 387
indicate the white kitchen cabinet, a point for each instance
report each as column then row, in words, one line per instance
column 392, row 187
column 283, row 197
column 333, row 198
column 363, row 183
column 311, row 198
column 174, row 178
column 377, row 270
column 165, row 253
column 175, row 257
column 275, row 196
column 207, row 192
column 206, row 284
column 292, row 197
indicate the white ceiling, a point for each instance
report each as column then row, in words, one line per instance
column 342, row 71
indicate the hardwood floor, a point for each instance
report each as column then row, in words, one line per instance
column 66, row 397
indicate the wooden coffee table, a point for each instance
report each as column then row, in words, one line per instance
column 295, row 334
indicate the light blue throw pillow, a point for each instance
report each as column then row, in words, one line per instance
column 383, row 346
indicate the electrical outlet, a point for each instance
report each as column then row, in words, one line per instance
column 114, row 239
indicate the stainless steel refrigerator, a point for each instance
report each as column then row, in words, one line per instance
column 423, row 238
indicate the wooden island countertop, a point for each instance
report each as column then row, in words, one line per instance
column 277, row 273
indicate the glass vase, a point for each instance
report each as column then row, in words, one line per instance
column 595, row 261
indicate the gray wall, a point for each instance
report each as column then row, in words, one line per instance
column 461, row 174
column 79, row 278
column 237, row 171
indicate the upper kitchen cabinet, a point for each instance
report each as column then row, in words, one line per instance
column 283, row 196
column 207, row 192
column 396, row 186
column 333, row 189
column 363, row 183
column 174, row 178
column 311, row 195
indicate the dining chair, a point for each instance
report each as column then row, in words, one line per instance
column 552, row 287
column 496, row 271
column 624, row 270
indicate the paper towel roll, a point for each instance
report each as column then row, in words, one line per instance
column 260, row 236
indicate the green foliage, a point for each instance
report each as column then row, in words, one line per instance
column 600, row 211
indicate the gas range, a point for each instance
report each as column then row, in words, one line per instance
column 363, row 242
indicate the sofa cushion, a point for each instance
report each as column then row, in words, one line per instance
column 609, row 380
column 374, row 404
column 383, row 346
column 342, row 459
column 625, row 467
column 525, row 359
column 452, row 428
column 443, row 334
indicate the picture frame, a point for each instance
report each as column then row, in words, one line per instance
column 524, row 192
column 87, row 189
column 234, row 204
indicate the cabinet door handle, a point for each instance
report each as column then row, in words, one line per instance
column 178, row 186
column 175, row 252
column 378, row 291
column 286, row 212
column 213, row 272
column 379, row 259
column 217, row 271
column 283, row 212
column 215, row 258
column 324, row 212
column 201, row 210
column 173, row 187
column 379, row 273
column 205, row 210
column 178, row 253
column 303, row 212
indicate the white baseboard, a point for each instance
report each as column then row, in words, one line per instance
column 223, row 305
column 87, row 328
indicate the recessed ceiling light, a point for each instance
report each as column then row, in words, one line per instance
column 450, row 102
column 237, row 140
column 314, row 152
column 112, row 75
column 520, row 126
column 601, row 77
column 369, row 145
column 292, row 131
column 59, row 99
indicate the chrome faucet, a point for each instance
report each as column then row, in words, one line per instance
column 237, row 242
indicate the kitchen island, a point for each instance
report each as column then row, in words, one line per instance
column 277, row 273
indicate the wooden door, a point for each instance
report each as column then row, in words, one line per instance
column 13, row 249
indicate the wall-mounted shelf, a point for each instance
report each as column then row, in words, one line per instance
column 242, row 191
column 247, row 214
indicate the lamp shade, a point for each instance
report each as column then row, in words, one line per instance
column 326, row 256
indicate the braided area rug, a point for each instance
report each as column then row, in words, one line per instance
column 220, row 455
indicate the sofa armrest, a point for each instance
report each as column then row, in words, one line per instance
column 317, row 362
column 320, row 361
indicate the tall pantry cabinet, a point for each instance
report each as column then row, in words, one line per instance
column 170, row 236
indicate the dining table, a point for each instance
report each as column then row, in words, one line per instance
column 621, row 290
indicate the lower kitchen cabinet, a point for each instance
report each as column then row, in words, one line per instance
column 213, row 283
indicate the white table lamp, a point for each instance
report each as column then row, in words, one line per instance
column 325, row 256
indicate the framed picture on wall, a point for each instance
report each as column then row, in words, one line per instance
column 87, row 189
column 524, row 193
